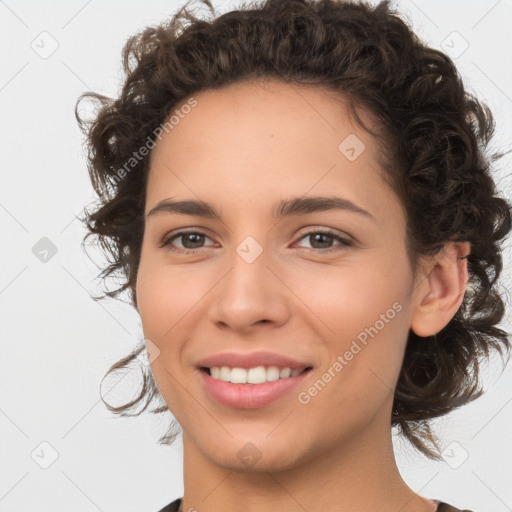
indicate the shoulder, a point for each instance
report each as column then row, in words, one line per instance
column 172, row 507
column 445, row 507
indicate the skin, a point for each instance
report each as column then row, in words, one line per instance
column 243, row 148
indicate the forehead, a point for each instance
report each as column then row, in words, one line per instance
column 271, row 108
column 265, row 113
column 251, row 139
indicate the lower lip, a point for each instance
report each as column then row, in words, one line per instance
column 250, row 396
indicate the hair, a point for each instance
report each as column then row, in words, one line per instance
column 434, row 136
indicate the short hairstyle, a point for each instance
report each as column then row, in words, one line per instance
column 432, row 133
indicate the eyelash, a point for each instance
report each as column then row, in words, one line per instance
column 345, row 242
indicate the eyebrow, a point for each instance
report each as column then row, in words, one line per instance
column 284, row 208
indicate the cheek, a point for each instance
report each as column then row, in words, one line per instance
column 349, row 298
column 365, row 322
column 165, row 295
column 160, row 309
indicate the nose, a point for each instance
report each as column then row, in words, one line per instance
column 250, row 293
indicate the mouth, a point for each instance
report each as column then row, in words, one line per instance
column 251, row 388
column 253, row 376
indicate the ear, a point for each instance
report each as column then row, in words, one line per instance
column 440, row 291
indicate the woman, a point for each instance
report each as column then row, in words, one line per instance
column 297, row 197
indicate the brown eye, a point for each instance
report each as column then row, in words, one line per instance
column 322, row 240
column 190, row 241
column 195, row 239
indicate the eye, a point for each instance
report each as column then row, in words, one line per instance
column 192, row 241
column 325, row 237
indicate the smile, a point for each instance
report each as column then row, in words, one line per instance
column 247, row 394
column 255, row 375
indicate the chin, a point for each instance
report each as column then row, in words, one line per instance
column 254, row 455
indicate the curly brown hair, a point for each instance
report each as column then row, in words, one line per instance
column 433, row 133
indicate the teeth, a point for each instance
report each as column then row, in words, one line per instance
column 285, row 372
column 253, row 376
column 257, row 375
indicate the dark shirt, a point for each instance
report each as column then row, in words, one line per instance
column 442, row 507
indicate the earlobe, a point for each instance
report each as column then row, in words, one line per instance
column 442, row 292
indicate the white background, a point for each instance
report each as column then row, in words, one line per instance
column 57, row 343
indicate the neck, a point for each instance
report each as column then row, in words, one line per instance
column 361, row 475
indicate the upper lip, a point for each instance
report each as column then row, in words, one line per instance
column 251, row 360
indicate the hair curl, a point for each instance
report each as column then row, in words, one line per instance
column 435, row 132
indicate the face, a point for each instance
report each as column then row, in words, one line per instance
column 329, row 289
